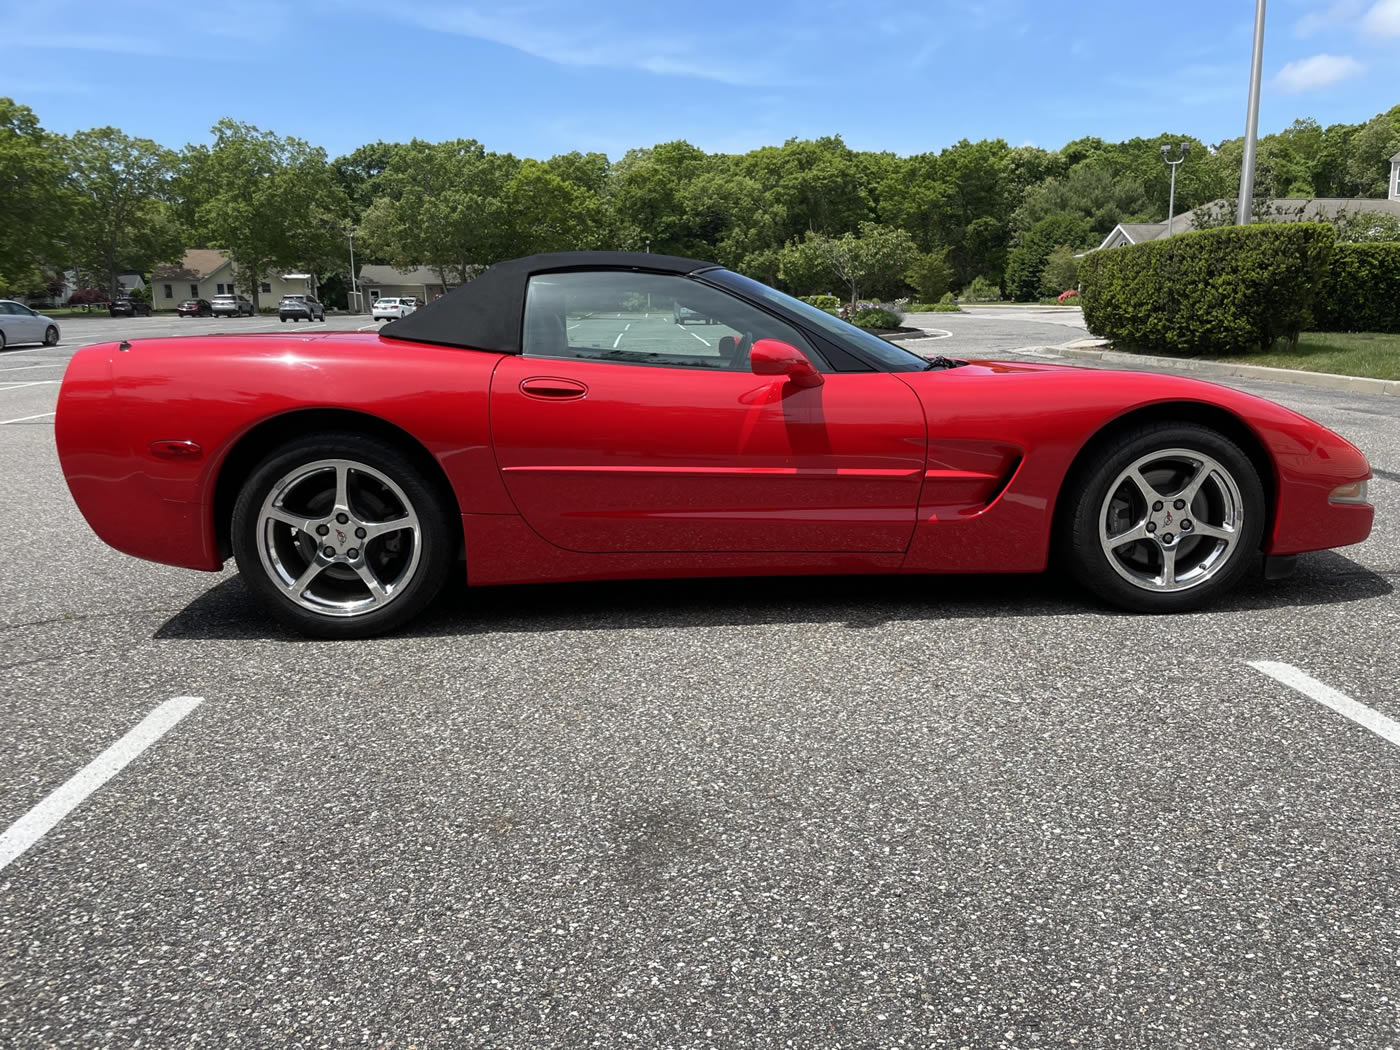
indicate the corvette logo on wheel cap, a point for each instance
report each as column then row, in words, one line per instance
column 341, row 536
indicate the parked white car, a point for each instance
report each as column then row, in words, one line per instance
column 393, row 309
column 19, row 324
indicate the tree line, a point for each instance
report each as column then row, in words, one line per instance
column 811, row 215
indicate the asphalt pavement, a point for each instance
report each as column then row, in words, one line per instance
column 939, row 812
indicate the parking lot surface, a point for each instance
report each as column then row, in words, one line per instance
column 938, row 812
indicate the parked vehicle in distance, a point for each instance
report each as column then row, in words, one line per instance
column 393, row 308
column 125, row 306
column 543, row 424
column 300, row 307
column 195, row 308
column 19, row 324
column 231, row 306
column 684, row 314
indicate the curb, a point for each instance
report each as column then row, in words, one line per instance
column 1321, row 380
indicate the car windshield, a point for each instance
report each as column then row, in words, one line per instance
column 889, row 356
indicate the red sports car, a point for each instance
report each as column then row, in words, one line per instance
column 551, row 420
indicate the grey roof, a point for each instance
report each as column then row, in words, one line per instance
column 391, row 275
column 1395, row 158
column 1143, row 231
column 1300, row 209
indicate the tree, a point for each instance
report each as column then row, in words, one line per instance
column 443, row 206
column 876, row 260
column 1025, row 269
column 547, row 213
column 34, row 206
column 272, row 202
column 1061, row 272
column 121, row 220
column 930, row 275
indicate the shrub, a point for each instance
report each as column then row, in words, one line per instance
column 822, row 302
column 1071, row 297
column 1362, row 289
column 947, row 308
column 868, row 315
column 981, row 290
column 88, row 297
column 1230, row 290
column 947, row 297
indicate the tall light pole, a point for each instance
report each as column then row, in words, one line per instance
column 354, row 286
column 1251, row 129
column 1185, row 148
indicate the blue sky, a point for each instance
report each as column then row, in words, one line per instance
column 538, row 77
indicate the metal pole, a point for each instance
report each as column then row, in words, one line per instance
column 354, row 287
column 1171, row 200
column 1251, row 131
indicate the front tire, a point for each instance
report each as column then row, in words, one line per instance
column 50, row 336
column 341, row 536
column 1166, row 519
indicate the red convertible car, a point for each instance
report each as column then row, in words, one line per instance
column 551, row 420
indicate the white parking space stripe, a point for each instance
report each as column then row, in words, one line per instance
column 31, row 350
column 35, row 382
column 618, row 339
column 25, row 368
column 700, row 337
column 21, row 419
column 40, row 820
column 1383, row 727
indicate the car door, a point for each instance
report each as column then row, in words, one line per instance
column 619, row 429
column 23, row 325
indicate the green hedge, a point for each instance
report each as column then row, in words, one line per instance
column 822, row 302
column 875, row 317
column 1362, row 293
column 1230, row 290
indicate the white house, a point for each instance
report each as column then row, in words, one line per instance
column 206, row 272
column 386, row 282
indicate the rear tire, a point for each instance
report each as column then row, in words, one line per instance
column 388, row 547
column 1165, row 519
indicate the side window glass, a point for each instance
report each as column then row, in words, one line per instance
column 646, row 319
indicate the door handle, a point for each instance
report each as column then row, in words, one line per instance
column 550, row 388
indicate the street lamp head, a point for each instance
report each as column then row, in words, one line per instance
column 1185, row 148
column 1166, row 151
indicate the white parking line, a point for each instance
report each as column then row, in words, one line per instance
column 21, row 419
column 700, row 337
column 25, row 368
column 368, row 327
column 40, row 820
column 31, row 350
column 618, row 339
column 1383, row 727
column 35, row 382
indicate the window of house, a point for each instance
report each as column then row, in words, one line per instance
column 169, row 291
column 267, row 287
column 646, row 319
column 194, row 291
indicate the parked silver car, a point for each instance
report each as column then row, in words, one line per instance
column 231, row 306
column 19, row 324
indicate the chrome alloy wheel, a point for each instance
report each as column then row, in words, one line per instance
column 339, row 537
column 1171, row 520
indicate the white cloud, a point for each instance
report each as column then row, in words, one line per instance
column 1334, row 16
column 1383, row 19
column 1308, row 74
column 581, row 36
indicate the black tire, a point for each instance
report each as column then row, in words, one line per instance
column 437, row 537
column 51, row 336
column 2, row 340
column 1135, row 575
column 282, row 319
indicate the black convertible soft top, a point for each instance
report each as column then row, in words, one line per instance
column 487, row 313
